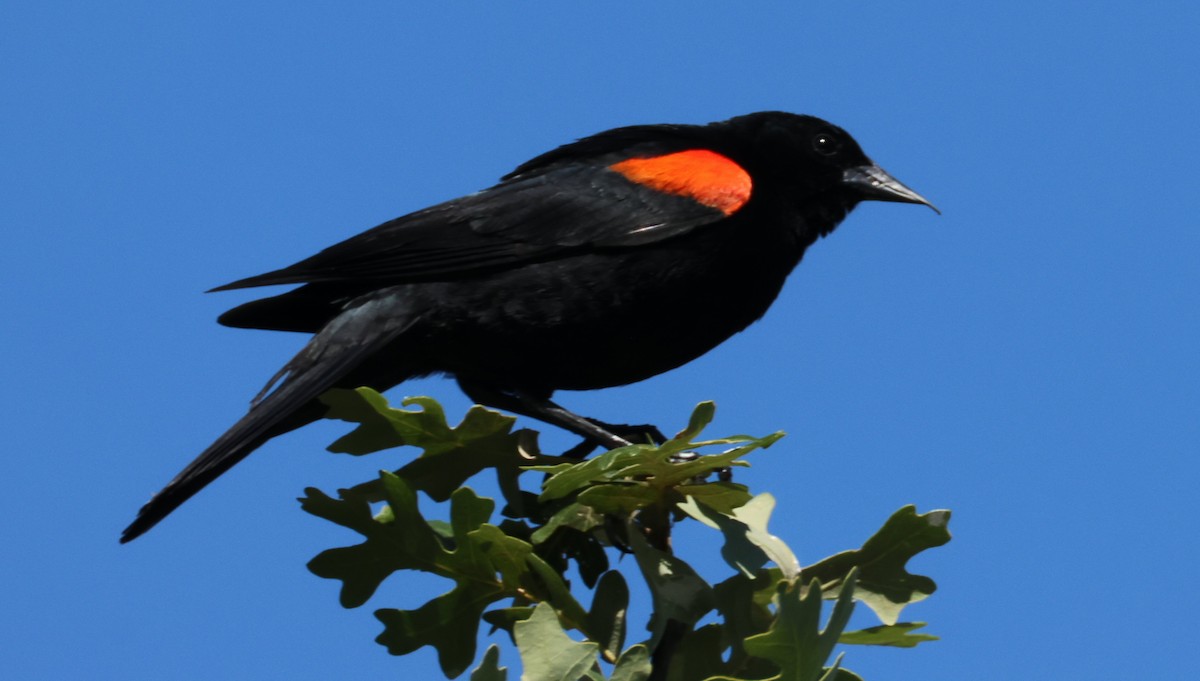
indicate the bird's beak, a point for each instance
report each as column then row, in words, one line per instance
column 873, row 183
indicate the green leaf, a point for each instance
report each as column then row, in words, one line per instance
column 451, row 455
column 566, row 480
column 494, row 551
column 743, row 614
column 605, row 622
column 738, row 551
column 722, row 497
column 547, row 653
column 485, row 564
column 843, row 607
column 505, row 618
column 489, row 669
column 404, row 541
column 748, row 544
column 896, row 635
column 832, row 673
column 439, row 474
column 382, row 427
column 352, row 509
column 574, row 515
column 884, row 585
column 626, row 498
column 634, row 665
column 664, row 471
column 701, row 416
column 449, row 623
column 679, row 594
column 619, row 499
column 793, row 642
column 588, row 554
column 370, row 410
column 699, row 655
column 548, row 585
column 655, row 466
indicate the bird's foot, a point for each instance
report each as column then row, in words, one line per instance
column 621, row 435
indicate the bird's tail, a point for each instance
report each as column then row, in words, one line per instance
column 331, row 359
column 261, row 424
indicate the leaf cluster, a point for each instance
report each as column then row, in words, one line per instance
column 510, row 572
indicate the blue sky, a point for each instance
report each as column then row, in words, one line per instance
column 1028, row 359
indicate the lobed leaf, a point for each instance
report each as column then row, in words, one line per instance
column 547, row 653
column 897, row 635
column 678, row 593
column 605, row 622
column 489, row 668
column 794, row 641
column 748, row 546
column 884, row 584
column 452, row 455
column 485, row 564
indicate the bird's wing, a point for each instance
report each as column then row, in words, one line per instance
column 547, row 214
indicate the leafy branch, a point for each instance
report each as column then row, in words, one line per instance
column 509, row 572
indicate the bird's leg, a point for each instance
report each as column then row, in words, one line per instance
column 640, row 433
column 635, row 434
column 541, row 408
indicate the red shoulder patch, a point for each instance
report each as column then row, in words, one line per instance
column 699, row 174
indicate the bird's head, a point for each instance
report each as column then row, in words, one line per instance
column 809, row 159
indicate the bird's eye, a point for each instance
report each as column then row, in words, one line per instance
column 826, row 143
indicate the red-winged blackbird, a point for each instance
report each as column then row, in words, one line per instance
column 600, row 263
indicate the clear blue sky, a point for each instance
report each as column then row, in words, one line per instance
column 1029, row 359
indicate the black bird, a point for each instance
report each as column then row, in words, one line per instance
column 600, row 263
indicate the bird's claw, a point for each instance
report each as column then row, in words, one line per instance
column 621, row 435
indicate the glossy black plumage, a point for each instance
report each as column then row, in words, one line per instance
column 572, row 273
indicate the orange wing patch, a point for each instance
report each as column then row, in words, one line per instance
column 699, row 174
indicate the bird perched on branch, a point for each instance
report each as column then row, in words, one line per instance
column 600, row 263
